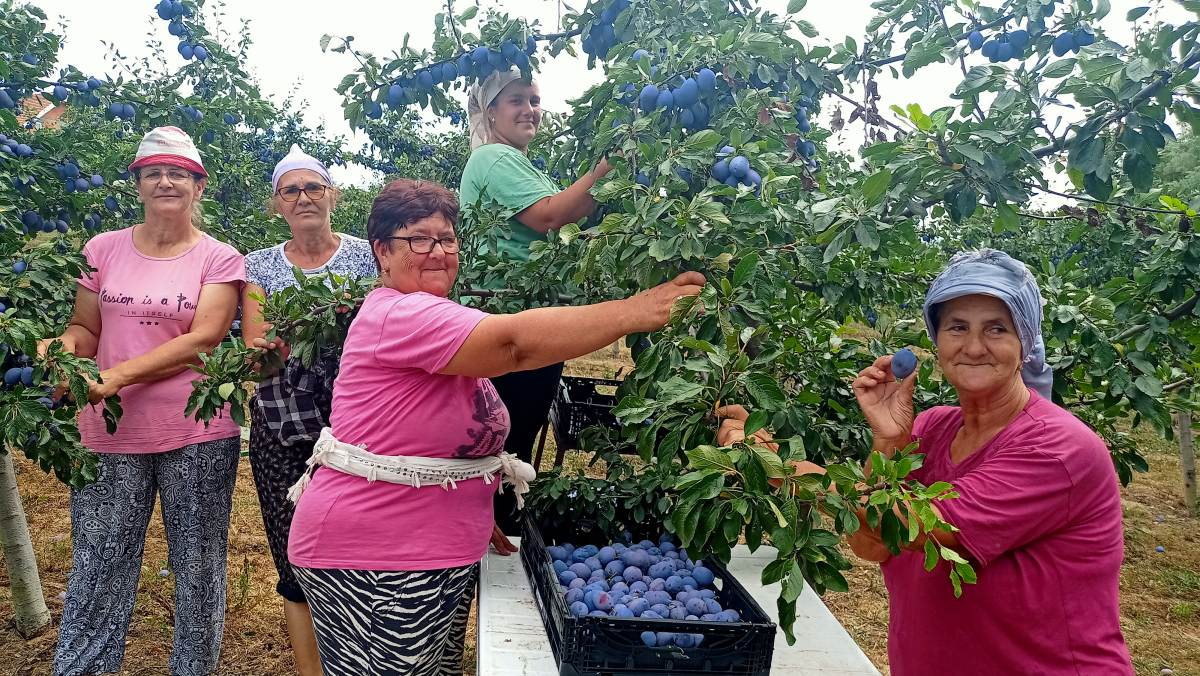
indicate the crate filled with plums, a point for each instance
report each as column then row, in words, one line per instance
column 641, row 606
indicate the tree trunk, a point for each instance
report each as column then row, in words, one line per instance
column 1187, row 457
column 29, row 605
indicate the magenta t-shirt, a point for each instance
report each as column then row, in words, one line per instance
column 145, row 302
column 1039, row 511
column 390, row 399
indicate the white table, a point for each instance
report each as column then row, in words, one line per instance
column 512, row 640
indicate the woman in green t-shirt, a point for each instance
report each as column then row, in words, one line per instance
column 505, row 112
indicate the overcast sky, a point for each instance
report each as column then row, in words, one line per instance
column 286, row 55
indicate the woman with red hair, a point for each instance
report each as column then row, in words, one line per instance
column 388, row 532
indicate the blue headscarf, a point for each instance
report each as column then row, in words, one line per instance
column 994, row 273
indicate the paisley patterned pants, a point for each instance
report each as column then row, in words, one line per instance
column 108, row 531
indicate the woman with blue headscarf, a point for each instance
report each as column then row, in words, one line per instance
column 1038, row 511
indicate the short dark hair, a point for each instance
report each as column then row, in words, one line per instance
column 405, row 201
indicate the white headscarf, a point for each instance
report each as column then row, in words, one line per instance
column 298, row 159
column 481, row 96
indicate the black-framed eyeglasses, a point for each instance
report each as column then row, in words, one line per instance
column 423, row 244
column 291, row 193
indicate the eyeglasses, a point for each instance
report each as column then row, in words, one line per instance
column 423, row 244
column 173, row 175
column 291, row 193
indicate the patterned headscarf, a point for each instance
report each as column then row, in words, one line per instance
column 994, row 273
column 481, row 96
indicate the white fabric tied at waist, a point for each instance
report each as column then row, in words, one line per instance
column 413, row 470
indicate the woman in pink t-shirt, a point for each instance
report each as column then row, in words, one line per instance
column 1038, row 511
column 389, row 567
column 162, row 292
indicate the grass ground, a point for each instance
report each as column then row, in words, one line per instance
column 1160, row 593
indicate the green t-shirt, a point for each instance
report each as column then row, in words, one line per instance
column 499, row 172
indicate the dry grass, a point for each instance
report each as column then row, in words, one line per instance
column 1160, row 593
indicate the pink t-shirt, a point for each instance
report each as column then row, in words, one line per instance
column 1039, row 510
column 390, row 399
column 145, row 302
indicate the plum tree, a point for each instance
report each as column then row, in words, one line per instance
column 828, row 242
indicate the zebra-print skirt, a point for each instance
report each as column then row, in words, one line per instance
column 390, row 623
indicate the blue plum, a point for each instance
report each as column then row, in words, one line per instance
column 703, row 576
column 904, row 362
column 739, row 166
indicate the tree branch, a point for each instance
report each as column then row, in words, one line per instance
column 1142, row 96
column 453, row 24
column 1082, row 198
column 962, row 60
column 1174, row 313
column 900, row 57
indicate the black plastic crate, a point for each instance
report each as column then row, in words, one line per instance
column 579, row 404
column 608, row 646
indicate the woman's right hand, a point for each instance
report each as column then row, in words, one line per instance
column 43, row 345
column 651, row 309
column 602, row 168
column 276, row 360
column 886, row 403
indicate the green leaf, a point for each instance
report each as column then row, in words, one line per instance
column 772, row 464
column 702, row 140
column 875, row 185
column 796, row 5
column 225, row 389
column 866, row 234
column 1149, row 385
column 766, row 392
column 931, row 554
column 633, row 410
column 774, row 571
column 1059, row 69
column 709, row 457
column 787, row 619
column 1136, row 13
column 745, row 269
column 970, row 152
column 1006, row 217
column 705, row 489
column 1086, row 155
column 779, row 517
column 922, row 54
column 568, row 233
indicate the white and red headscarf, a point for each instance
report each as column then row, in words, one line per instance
column 171, row 146
column 479, row 98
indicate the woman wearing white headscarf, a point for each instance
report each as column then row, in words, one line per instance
column 1038, row 511
column 290, row 408
column 505, row 112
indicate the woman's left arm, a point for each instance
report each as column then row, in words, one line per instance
column 571, row 205
column 215, row 310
